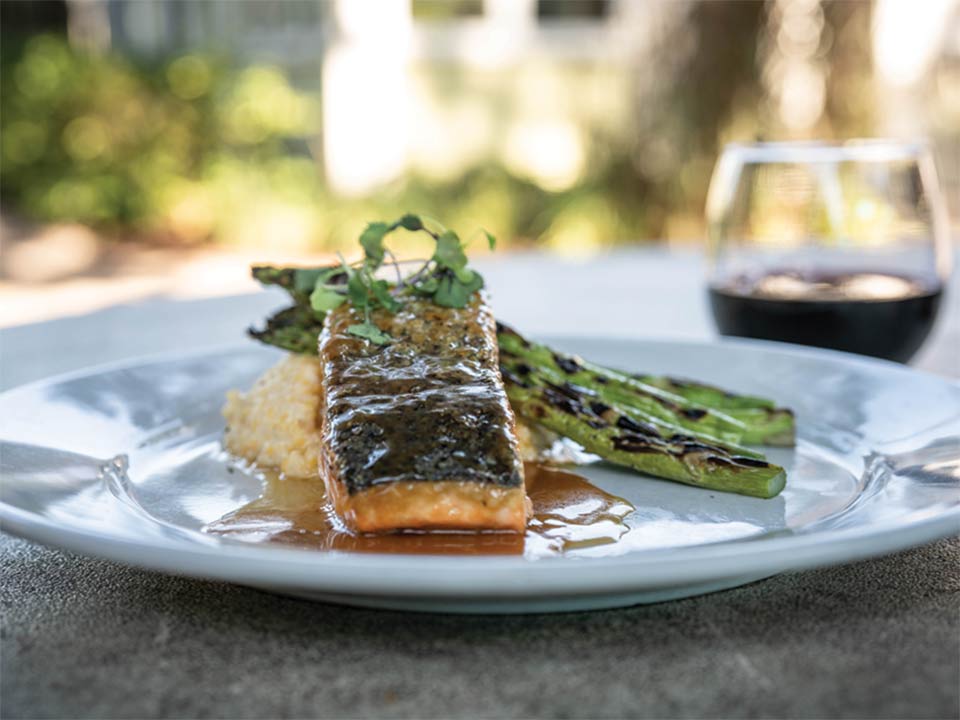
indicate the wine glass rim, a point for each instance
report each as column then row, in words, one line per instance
column 803, row 151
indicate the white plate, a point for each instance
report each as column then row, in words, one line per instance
column 123, row 463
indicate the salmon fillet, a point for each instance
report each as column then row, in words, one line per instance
column 418, row 434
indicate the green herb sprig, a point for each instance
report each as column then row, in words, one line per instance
column 444, row 278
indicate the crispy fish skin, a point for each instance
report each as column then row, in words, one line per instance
column 418, row 434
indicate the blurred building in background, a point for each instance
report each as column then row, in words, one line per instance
column 572, row 124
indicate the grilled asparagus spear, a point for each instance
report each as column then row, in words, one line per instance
column 295, row 329
column 617, row 437
column 513, row 367
column 750, row 425
column 766, row 424
column 702, row 394
column 298, row 282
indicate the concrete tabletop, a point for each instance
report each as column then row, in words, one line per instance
column 83, row 637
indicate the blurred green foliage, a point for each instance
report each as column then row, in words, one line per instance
column 169, row 148
column 192, row 150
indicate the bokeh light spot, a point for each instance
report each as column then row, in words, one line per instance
column 189, row 77
column 86, row 138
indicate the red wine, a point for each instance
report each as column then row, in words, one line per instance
column 879, row 314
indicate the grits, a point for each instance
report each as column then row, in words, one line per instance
column 274, row 424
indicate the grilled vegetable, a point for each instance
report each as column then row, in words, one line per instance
column 513, row 368
column 702, row 394
column 615, row 436
column 294, row 329
column 765, row 423
column 620, row 390
column 750, row 425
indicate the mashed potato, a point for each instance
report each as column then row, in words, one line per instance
column 274, row 425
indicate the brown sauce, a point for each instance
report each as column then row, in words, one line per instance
column 569, row 513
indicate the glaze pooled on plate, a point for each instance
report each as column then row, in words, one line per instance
column 569, row 513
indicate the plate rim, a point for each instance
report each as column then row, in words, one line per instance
column 451, row 577
column 339, row 571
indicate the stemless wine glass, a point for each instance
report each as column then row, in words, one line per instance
column 842, row 246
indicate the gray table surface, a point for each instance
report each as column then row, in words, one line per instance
column 88, row 638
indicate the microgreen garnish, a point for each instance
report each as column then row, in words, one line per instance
column 370, row 332
column 444, row 278
column 326, row 293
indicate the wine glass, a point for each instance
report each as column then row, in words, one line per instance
column 842, row 246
